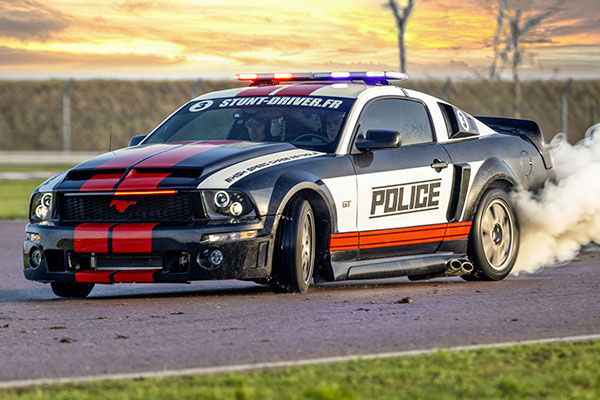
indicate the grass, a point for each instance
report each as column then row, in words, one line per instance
column 549, row 371
column 14, row 197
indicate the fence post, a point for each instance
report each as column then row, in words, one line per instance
column 66, row 116
column 564, row 115
column 444, row 94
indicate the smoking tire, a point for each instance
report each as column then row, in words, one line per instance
column 71, row 289
column 295, row 246
column 494, row 238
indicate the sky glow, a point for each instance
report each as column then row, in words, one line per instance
column 190, row 38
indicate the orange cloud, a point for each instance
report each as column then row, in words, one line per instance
column 227, row 36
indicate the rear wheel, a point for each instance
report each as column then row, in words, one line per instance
column 71, row 289
column 494, row 237
column 295, row 258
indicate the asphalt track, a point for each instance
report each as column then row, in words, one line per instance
column 137, row 328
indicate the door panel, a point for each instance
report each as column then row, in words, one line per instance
column 402, row 200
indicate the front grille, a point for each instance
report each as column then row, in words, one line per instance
column 178, row 208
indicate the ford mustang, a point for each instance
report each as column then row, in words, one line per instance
column 294, row 179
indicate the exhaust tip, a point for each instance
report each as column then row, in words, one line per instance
column 468, row 267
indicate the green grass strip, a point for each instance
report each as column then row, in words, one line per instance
column 548, row 371
column 14, row 197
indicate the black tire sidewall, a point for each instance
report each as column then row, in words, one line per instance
column 483, row 269
column 290, row 275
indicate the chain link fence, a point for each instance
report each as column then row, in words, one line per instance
column 31, row 112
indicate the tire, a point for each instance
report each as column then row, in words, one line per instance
column 494, row 238
column 295, row 247
column 71, row 289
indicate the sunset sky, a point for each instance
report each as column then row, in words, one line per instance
column 199, row 38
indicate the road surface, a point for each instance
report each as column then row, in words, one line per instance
column 136, row 328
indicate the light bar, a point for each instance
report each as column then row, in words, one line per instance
column 396, row 75
column 366, row 76
column 285, row 76
column 246, row 77
column 144, row 192
column 336, row 75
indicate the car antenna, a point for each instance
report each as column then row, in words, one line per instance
column 109, row 137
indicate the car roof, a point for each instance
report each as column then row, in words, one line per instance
column 327, row 89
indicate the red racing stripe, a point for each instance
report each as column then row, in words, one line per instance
column 257, row 91
column 101, row 182
column 132, row 238
column 93, row 276
column 170, row 158
column 301, row 89
column 130, row 157
column 145, row 276
column 136, row 180
column 91, row 238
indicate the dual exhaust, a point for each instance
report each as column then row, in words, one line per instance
column 458, row 267
column 453, row 267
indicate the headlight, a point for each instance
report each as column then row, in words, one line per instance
column 227, row 203
column 41, row 207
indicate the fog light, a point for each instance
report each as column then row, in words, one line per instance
column 216, row 257
column 35, row 259
column 236, row 209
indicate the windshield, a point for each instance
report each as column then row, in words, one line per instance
column 309, row 122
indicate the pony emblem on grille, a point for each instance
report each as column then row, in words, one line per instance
column 122, row 205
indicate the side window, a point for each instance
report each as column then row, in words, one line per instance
column 405, row 116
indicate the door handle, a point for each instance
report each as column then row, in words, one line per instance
column 438, row 165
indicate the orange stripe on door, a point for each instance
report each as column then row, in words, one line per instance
column 399, row 237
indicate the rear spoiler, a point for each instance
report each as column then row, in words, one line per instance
column 525, row 128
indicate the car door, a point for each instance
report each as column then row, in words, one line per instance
column 403, row 193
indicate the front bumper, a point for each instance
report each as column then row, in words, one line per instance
column 113, row 253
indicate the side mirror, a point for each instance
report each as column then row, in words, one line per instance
column 134, row 141
column 379, row 140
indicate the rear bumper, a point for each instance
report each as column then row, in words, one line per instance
column 113, row 253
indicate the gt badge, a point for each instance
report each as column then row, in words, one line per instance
column 405, row 198
column 122, row 205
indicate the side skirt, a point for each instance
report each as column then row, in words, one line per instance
column 429, row 264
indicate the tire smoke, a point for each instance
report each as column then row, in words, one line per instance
column 565, row 215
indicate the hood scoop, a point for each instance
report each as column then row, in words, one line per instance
column 87, row 174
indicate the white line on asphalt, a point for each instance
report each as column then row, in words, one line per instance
column 280, row 364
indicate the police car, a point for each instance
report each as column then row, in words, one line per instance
column 294, row 179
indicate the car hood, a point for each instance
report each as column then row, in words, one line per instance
column 207, row 164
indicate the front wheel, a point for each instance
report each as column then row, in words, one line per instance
column 295, row 258
column 494, row 237
column 71, row 289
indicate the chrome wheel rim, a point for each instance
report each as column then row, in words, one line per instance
column 497, row 234
column 306, row 248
